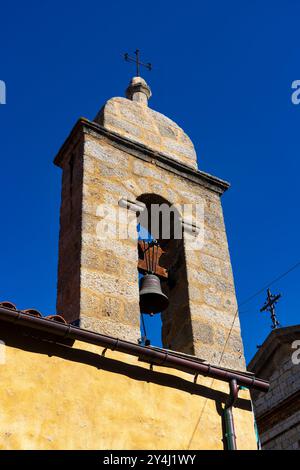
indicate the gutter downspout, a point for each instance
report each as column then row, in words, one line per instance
column 228, row 416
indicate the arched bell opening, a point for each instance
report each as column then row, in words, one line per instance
column 163, row 276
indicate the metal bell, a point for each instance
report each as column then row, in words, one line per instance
column 152, row 299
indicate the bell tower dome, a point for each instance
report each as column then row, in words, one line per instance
column 132, row 160
column 132, row 118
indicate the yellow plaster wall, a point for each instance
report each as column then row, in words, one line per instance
column 51, row 402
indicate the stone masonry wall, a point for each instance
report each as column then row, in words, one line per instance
column 284, row 381
column 143, row 125
column 68, row 287
column 109, row 289
column 284, row 436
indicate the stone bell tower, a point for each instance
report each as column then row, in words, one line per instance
column 129, row 157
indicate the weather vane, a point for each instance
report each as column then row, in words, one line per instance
column 137, row 62
column 269, row 306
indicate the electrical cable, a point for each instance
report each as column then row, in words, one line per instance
column 230, row 331
column 270, row 283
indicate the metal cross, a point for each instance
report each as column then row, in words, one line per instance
column 137, row 62
column 270, row 307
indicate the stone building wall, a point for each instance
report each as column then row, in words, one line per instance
column 283, row 436
column 144, row 125
column 278, row 417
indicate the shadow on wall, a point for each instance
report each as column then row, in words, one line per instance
column 28, row 340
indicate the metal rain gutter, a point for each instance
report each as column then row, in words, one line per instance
column 147, row 354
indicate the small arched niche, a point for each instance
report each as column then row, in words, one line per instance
column 162, row 221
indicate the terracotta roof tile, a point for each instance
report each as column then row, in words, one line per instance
column 7, row 304
column 33, row 312
column 58, row 318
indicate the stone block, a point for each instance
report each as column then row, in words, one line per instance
column 104, row 153
column 132, row 313
column 147, row 169
column 110, row 328
column 203, row 332
column 168, row 131
column 103, row 283
column 113, row 308
column 211, row 264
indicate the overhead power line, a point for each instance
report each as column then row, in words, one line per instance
column 229, row 334
column 285, row 273
column 278, row 278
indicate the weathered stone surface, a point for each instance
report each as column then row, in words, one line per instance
column 110, row 328
column 119, row 172
column 211, row 264
column 101, row 306
column 135, row 187
column 200, row 277
column 235, row 342
column 216, row 250
column 277, row 411
column 113, row 308
column 167, row 131
column 150, row 170
column 213, row 298
column 214, row 316
column 203, row 332
column 120, row 248
column 103, row 152
column 104, row 283
column 195, row 293
column 137, row 122
column 125, row 128
column 224, row 286
column 214, row 221
column 132, row 313
column 116, row 187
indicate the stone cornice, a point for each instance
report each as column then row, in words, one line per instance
column 140, row 151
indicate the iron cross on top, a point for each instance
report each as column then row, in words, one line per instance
column 137, row 62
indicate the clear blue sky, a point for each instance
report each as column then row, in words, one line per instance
column 222, row 70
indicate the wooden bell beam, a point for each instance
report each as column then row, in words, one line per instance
column 142, row 264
